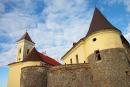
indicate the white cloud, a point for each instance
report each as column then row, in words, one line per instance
column 2, row 8
column 65, row 21
column 9, row 55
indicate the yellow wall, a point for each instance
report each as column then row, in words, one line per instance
column 23, row 45
column 104, row 40
column 78, row 50
column 15, row 72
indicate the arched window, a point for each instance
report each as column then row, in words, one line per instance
column 27, row 51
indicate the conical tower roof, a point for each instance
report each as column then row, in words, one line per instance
column 26, row 37
column 99, row 22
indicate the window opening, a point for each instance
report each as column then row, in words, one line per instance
column 77, row 60
column 27, row 51
column 94, row 39
column 71, row 61
column 98, row 56
column 20, row 50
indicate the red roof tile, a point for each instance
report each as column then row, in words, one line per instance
column 49, row 60
column 34, row 55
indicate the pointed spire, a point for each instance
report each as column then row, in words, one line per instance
column 26, row 37
column 99, row 22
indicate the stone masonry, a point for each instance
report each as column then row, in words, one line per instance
column 112, row 70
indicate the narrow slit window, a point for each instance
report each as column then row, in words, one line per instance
column 77, row 59
column 20, row 51
column 27, row 51
column 70, row 61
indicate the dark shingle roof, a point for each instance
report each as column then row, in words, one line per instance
column 26, row 37
column 99, row 22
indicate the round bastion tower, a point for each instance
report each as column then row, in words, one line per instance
column 106, row 53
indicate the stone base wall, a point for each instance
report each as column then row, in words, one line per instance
column 34, row 76
column 58, row 76
column 112, row 70
column 70, row 76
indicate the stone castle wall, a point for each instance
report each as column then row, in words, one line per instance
column 58, row 76
column 34, row 76
column 112, row 70
column 70, row 76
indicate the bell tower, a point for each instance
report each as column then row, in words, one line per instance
column 24, row 46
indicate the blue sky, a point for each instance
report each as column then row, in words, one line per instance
column 3, row 76
column 53, row 24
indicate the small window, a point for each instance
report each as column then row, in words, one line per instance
column 94, row 39
column 77, row 59
column 70, row 61
column 19, row 59
column 27, row 51
column 98, row 56
column 20, row 51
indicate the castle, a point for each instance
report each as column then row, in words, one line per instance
column 100, row 59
